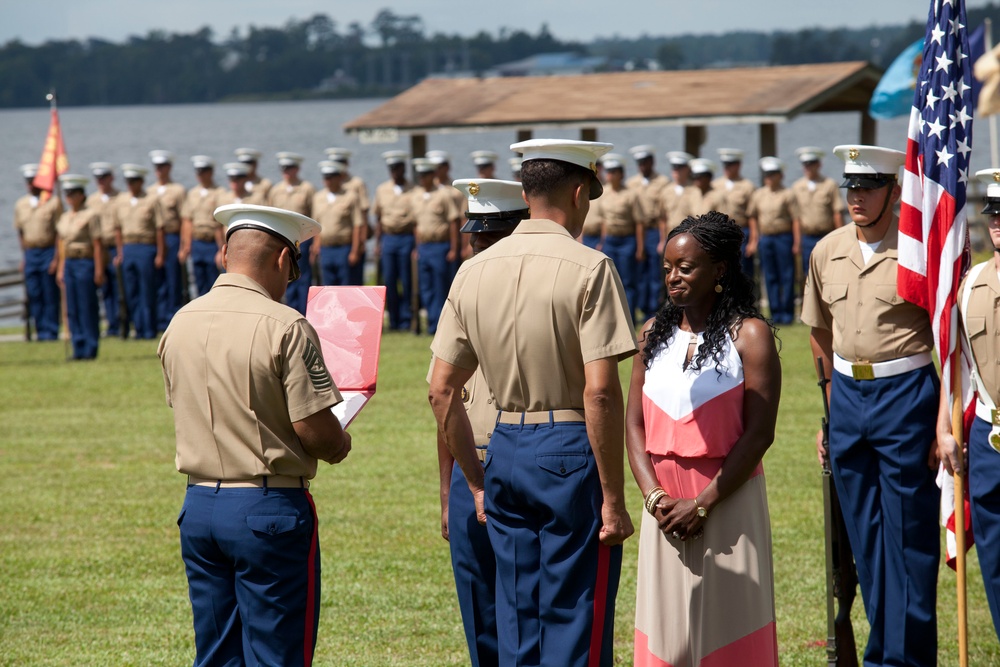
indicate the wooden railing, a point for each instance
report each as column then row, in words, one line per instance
column 12, row 299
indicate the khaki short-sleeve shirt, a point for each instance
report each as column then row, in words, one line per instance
column 670, row 204
column 239, row 368
column 78, row 231
column 650, row 190
column 393, row 209
column 694, row 202
column 297, row 198
column 859, row 303
column 817, row 204
column 358, row 186
column 199, row 207
column 479, row 405
column 258, row 189
column 735, row 198
column 774, row 210
column 102, row 204
column 170, row 203
column 338, row 215
column 621, row 211
column 594, row 221
column 531, row 311
column 136, row 218
column 982, row 322
column 36, row 220
column 434, row 210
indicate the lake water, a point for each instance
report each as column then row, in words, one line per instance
column 127, row 134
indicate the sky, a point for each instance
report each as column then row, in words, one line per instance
column 40, row 20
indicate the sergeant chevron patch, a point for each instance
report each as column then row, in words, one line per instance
column 318, row 375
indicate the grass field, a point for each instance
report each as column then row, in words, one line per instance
column 91, row 571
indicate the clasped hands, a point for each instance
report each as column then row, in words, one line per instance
column 678, row 518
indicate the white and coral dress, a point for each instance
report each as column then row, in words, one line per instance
column 703, row 602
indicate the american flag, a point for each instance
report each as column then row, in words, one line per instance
column 933, row 235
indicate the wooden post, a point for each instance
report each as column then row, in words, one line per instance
column 868, row 129
column 588, row 134
column 524, row 135
column 768, row 139
column 418, row 147
column 694, row 137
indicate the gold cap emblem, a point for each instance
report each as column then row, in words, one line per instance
column 593, row 167
column 853, row 153
column 465, row 395
column 996, row 176
column 473, row 189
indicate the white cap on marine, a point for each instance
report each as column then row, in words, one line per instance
column 202, row 162
column 642, row 152
column 770, row 164
column 292, row 228
column 422, row 165
column 584, row 154
column 869, row 167
column 332, row 167
column 729, row 155
column 130, row 170
column 613, row 161
column 236, row 169
column 288, row 159
column 489, row 200
column 29, row 170
column 515, row 164
column 809, row 153
column 438, row 157
column 73, row 181
column 338, row 154
column 700, row 166
column 991, row 179
column 161, row 157
column 395, row 157
column 247, row 154
column 679, row 158
column 483, row 158
column 101, row 168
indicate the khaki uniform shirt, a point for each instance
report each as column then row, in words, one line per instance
column 621, row 211
column 594, row 221
column 170, row 205
column 297, row 198
column 532, row 336
column 199, row 207
column 694, row 202
column 859, row 302
column 361, row 190
column 434, row 211
column 102, row 204
column 817, row 204
column 479, row 405
column 735, row 198
column 670, row 199
column 774, row 210
column 259, row 190
column 78, row 231
column 982, row 322
column 651, row 192
column 136, row 218
column 36, row 222
column 239, row 368
column 392, row 208
column 338, row 215
column 227, row 197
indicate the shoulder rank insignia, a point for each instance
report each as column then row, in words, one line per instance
column 318, row 375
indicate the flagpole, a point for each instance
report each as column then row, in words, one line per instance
column 994, row 149
column 957, row 431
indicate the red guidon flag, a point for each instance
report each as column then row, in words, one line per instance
column 54, row 161
column 933, row 235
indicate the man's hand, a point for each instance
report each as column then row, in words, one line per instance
column 820, row 449
column 948, row 453
column 344, row 451
column 616, row 524
column 479, row 495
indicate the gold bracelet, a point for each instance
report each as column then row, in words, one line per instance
column 653, row 497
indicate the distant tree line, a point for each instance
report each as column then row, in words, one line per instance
column 318, row 57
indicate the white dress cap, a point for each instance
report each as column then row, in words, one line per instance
column 161, row 157
column 483, row 158
column 29, row 170
column 870, row 160
column 991, row 179
column 247, row 154
column 701, row 166
column 438, row 157
column 515, row 164
column 294, row 228
column 130, row 170
column 770, row 163
column 422, row 165
column 338, row 154
column 101, row 168
column 235, row 169
column 395, row 157
column 679, row 158
column 331, row 167
column 581, row 153
column 730, row 155
column 613, row 161
column 809, row 153
column 487, row 195
column 202, row 162
column 73, row 181
column 286, row 159
column 642, row 152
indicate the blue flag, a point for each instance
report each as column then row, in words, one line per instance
column 893, row 96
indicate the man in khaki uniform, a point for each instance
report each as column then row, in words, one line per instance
column 494, row 209
column 736, row 192
column 436, row 238
column 774, row 231
column 294, row 194
column 355, row 184
column 171, row 283
column 820, row 206
column 237, row 174
column 593, row 225
column 101, row 202
column 141, row 249
column 670, row 211
column 394, row 242
column 485, row 162
column 515, row 168
column 35, row 222
column 883, row 402
column 547, row 320
column 700, row 197
column 81, row 266
column 251, row 397
column 342, row 221
column 201, row 235
column 442, row 165
column 257, row 186
column 623, row 228
column 650, row 185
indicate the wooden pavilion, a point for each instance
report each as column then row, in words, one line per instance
column 693, row 99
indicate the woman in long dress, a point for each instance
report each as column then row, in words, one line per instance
column 702, row 406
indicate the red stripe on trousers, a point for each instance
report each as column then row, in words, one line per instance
column 600, row 604
column 310, row 634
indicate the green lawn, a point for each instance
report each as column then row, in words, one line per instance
column 91, row 571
